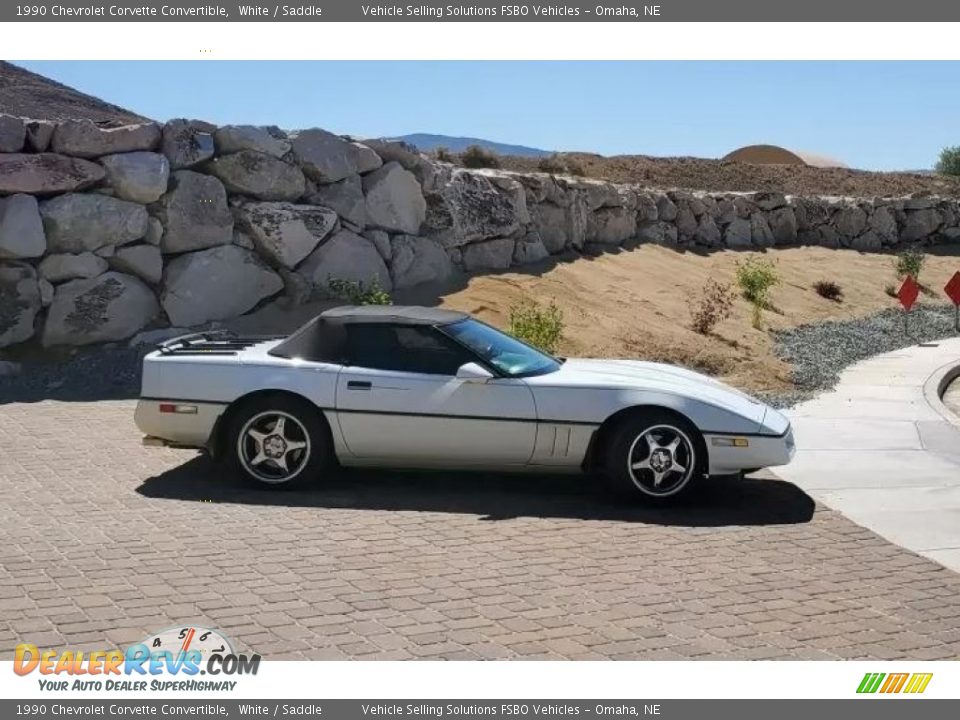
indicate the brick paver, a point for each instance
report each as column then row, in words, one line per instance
column 105, row 542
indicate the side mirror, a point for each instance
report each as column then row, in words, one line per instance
column 471, row 372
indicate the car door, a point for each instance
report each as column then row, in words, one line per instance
column 398, row 400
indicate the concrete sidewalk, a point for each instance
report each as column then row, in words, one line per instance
column 883, row 449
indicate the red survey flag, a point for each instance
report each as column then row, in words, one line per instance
column 908, row 293
column 952, row 288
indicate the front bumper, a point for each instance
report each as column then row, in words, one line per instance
column 177, row 423
column 760, row 451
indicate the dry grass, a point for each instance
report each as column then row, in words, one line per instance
column 634, row 304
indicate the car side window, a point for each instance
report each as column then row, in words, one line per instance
column 404, row 348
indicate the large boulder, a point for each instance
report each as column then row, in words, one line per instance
column 344, row 196
column 112, row 306
column 84, row 138
column 470, row 207
column 884, row 223
column 850, row 220
column 783, row 225
column 760, row 231
column 194, row 213
column 186, row 143
column 236, row 138
column 138, row 176
column 215, row 284
column 529, row 250
column 561, row 227
column 21, row 229
column 490, row 255
column 418, row 260
column 13, row 133
column 738, row 234
column 345, row 256
column 46, row 174
column 326, row 157
column 611, row 225
column 75, row 223
column 258, row 175
column 285, row 233
column 59, row 267
column 918, row 224
column 19, row 303
column 397, row 151
column 660, row 233
column 394, row 199
column 144, row 261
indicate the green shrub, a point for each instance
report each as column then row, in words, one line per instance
column 358, row 293
column 444, row 155
column 539, row 326
column 828, row 289
column 910, row 262
column 949, row 162
column 478, row 157
column 714, row 305
column 756, row 277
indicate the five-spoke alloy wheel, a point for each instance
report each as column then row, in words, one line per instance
column 655, row 454
column 277, row 440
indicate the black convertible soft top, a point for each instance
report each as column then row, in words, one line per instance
column 323, row 339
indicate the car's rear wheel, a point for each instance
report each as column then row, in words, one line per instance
column 277, row 441
column 655, row 455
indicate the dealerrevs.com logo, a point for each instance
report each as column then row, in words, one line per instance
column 909, row 683
column 180, row 653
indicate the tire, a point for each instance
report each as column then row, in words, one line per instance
column 654, row 455
column 293, row 457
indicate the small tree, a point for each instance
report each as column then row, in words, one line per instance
column 909, row 262
column 756, row 277
column 714, row 305
column 539, row 326
column 949, row 162
column 478, row 157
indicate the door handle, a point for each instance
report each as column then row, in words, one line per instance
column 358, row 385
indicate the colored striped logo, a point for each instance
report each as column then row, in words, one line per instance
column 894, row 683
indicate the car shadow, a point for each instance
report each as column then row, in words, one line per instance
column 717, row 502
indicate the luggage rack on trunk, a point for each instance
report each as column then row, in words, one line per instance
column 212, row 342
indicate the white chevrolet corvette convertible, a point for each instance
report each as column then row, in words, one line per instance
column 413, row 387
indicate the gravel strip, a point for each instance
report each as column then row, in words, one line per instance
column 820, row 351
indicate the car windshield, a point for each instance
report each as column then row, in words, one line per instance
column 507, row 354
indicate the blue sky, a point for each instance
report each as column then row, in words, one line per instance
column 873, row 115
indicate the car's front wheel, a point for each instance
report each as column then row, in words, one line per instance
column 278, row 441
column 654, row 455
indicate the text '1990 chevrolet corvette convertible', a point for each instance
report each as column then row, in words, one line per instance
column 413, row 387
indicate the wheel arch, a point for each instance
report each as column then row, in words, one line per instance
column 601, row 437
column 217, row 435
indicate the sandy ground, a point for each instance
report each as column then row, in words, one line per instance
column 634, row 303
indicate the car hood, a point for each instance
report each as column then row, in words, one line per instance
column 657, row 377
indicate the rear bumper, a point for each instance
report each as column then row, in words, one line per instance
column 177, row 423
column 761, row 451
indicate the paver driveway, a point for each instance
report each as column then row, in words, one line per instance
column 104, row 542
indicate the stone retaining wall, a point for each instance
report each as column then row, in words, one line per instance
column 107, row 231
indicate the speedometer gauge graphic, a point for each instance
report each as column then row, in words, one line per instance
column 181, row 640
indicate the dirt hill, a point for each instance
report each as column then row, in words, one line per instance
column 716, row 175
column 28, row 94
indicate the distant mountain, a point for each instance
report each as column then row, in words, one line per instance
column 426, row 143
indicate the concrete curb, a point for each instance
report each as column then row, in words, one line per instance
column 936, row 385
